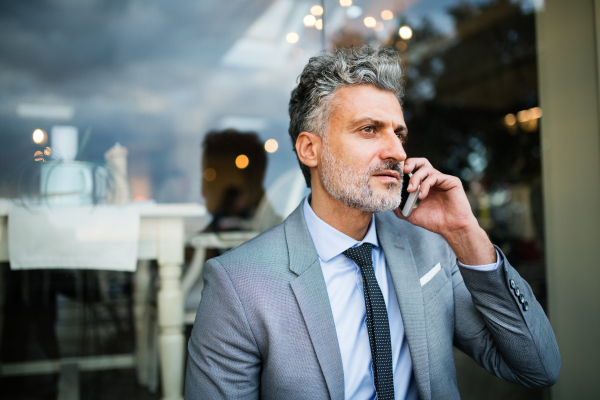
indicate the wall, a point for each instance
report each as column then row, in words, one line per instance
column 568, row 74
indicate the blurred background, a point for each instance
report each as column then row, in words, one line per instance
column 196, row 94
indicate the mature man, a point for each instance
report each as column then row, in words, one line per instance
column 347, row 300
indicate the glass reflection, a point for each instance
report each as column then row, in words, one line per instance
column 233, row 182
column 157, row 76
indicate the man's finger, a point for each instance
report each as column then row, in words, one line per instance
column 431, row 180
column 419, row 176
column 415, row 163
column 439, row 181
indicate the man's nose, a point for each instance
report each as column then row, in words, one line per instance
column 393, row 148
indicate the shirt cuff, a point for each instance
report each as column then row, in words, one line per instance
column 486, row 267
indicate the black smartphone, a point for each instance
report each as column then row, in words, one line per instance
column 408, row 200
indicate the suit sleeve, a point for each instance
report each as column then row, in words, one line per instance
column 223, row 361
column 495, row 327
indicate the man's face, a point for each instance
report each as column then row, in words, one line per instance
column 362, row 154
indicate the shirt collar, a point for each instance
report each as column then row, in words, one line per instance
column 329, row 242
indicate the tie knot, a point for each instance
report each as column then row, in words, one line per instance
column 361, row 255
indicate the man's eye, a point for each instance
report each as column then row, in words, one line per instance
column 368, row 129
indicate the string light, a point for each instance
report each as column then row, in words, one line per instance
column 242, row 161
column 370, row 22
column 309, row 21
column 292, row 37
column 510, row 119
column 316, row 10
column 271, row 146
column 523, row 116
column 526, row 120
column 387, row 15
column 405, row 32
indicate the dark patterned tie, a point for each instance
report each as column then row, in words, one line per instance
column 377, row 322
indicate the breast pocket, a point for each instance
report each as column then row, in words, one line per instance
column 433, row 282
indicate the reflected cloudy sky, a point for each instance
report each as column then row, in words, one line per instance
column 156, row 75
column 145, row 73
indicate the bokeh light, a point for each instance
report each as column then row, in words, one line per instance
column 510, row 119
column 316, row 10
column 309, row 21
column 354, row 12
column 319, row 24
column 401, row 46
column 210, row 174
column 242, row 161
column 523, row 116
column 405, row 32
column 345, row 3
column 271, row 146
column 370, row 22
column 292, row 37
column 39, row 136
column 387, row 15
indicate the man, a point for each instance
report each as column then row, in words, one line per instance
column 347, row 299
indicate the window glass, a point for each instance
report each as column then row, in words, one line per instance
column 194, row 96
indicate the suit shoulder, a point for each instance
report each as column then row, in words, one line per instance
column 268, row 249
column 258, row 268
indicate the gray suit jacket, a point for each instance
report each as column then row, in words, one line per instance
column 265, row 329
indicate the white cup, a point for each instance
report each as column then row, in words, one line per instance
column 63, row 142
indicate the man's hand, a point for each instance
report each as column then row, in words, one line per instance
column 445, row 209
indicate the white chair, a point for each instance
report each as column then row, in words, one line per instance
column 281, row 198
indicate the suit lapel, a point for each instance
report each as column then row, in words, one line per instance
column 405, row 279
column 311, row 293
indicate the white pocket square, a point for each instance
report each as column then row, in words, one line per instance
column 428, row 276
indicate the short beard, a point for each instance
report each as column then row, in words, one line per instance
column 351, row 186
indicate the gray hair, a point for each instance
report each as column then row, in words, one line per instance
column 327, row 72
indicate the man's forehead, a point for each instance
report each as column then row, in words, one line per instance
column 366, row 101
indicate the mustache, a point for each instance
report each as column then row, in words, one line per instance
column 388, row 165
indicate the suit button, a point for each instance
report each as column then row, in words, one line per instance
column 522, row 299
column 526, row 306
column 517, row 291
column 513, row 284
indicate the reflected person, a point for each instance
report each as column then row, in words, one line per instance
column 347, row 299
column 227, row 183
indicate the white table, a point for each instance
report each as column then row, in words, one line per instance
column 162, row 238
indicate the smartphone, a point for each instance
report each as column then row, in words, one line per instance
column 408, row 199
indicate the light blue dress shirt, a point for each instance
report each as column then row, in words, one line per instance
column 345, row 291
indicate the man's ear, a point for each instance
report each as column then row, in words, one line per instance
column 308, row 148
